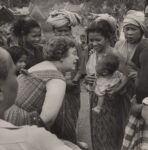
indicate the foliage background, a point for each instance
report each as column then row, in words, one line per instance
column 117, row 8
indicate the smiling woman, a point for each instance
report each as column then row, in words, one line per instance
column 62, row 22
column 28, row 34
column 42, row 87
column 107, row 125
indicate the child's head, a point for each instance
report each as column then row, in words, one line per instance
column 107, row 64
column 18, row 56
column 83, row 38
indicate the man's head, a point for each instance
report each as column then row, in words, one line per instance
column 8, row 81
column 146, row 7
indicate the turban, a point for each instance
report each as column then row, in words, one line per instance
column 60, row 18
column 106, row 17
column 136, row 18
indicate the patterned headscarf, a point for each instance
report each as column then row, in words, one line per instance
column 136, row 18
column 113, row 23
column 110, row 19
column 62, row 17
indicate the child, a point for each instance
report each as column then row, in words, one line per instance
column 19, row 58
column 109, row 79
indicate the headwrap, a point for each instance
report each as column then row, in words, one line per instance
column 113, row 23
column 136, row 18
column 62, row 17
column 110, row 19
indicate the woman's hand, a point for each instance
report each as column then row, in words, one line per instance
column 71, row 83
column 136, row 109
column 121, row 89
column 89, row 79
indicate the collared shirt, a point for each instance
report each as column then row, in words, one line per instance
column 28, row 138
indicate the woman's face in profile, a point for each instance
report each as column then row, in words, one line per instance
column 70, row 61
column 146, row 16
column 132, row 33
column 34, row 37
column 97, row 41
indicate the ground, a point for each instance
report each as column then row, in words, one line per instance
column 84, row 122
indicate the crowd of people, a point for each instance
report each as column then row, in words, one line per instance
column 40, row 83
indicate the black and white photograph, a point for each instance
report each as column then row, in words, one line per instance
column 73, row 75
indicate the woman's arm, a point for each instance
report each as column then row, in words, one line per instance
column 53, row 100
column 122, row 84
column 120, row 88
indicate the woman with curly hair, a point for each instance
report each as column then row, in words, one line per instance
column 62, row 22
column 42, row 87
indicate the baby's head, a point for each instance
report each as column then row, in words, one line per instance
column 107, row 64
column 19, row 57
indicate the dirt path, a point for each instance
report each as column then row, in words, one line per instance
column 83, row 122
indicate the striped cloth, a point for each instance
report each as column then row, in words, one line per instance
column 30, row 96
column 133, row 134
column 144, row 145
column 66, row 121
column 136, row 133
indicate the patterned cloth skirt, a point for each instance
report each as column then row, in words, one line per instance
column 66, row 122
column 107, row 127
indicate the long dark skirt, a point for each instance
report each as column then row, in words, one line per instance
column 65, row 124
column 107, row 127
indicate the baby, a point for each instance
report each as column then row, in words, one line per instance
column 109, row 79
column 19, row 58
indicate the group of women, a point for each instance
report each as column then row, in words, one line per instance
column 49, row 86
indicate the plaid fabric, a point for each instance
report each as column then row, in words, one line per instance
column 133, row 134
column 31, row 95
column 65, row 124
column 144, row 145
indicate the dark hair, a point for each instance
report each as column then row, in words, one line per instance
column 3, row 65
column 16, row 53
column 102, row 27
column 145, row 4
column 57, row 47
column 54, row 28
column 110, row 62
column 23, row 26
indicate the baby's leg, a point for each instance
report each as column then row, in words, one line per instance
column 98, row 108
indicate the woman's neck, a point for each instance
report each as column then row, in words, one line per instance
column 59, row 66
column 28, row 47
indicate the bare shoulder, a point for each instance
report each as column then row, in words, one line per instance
column 45, row 65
